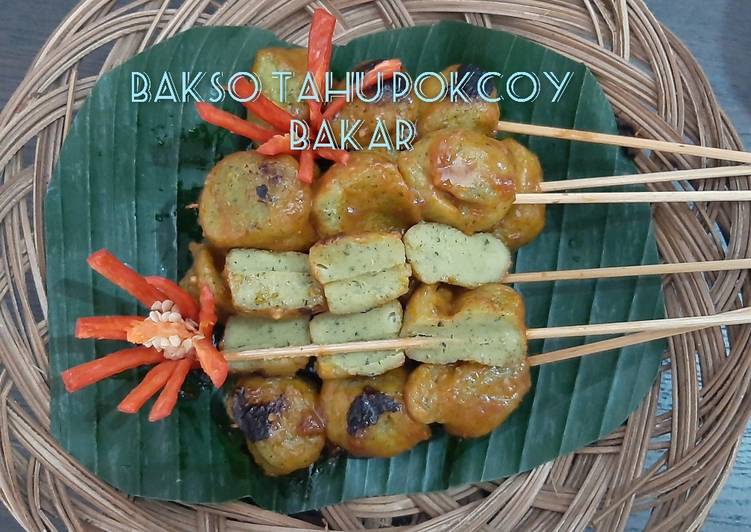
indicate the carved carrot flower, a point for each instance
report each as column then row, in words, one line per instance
column 175, row 336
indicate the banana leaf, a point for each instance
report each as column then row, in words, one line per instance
column 127, row 171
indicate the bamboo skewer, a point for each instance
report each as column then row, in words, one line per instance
column 661, row 325
column 333, row 349
column 667, row 326
column 559, row 198
column 624, row 141
column 617, row 343
column 639, row 179
column 629, row 271
column 605, row 345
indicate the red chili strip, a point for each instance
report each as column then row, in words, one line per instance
column 207, row 315
column 386, row 68
column 307, row 166
column 108, row 266
column 234, row 124
column 168, row 398
column 212, row 361
column 105, row 327
column 91, row 372
column 263, row 107
column 154, row 381
column 320, row 46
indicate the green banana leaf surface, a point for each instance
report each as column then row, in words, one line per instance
column 127, row 171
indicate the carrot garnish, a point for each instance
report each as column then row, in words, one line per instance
column 168, row 398
column 307, row 167
column 96, row 370
column 385, row 68
column 276, row 145
column 207, row 316
column 338, row 156
column 279, row 145
column 212, row 362
column 234, row 124
column 154, row 381
column 171, row 290
column 320, row 46
column 108, row 266
column 263, row 107
column 168, row 336
column 105, row 327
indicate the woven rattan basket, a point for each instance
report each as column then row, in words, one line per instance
column 656, row 87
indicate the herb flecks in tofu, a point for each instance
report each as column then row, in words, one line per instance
column 246, row 332
column 484, row 325
column 377, row 324
column 360, row 272
column 271, row 284
column 442, row 254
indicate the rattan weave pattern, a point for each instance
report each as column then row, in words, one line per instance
column 657, row 89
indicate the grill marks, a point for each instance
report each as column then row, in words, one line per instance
column 367, row 408
column 256, row 420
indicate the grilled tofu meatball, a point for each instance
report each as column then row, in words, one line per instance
column 253, row 201
column 369, row 194
column 476, row 114
column 469, row 399
column 360, row 272
column 278, row 417
column 366, row 416
column 376, row 324
column 277, row 59
column 484, row 325
column 384, row 109
column 274, row 284
column 442, row 254
column 460, row 178
column 523, row 223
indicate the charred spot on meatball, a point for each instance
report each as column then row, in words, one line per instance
column 367, row 408
column 256, row 420
column 474, row 73
column 262, row 191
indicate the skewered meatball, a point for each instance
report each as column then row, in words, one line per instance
column 484, row 325
column 294, row 60
column 460, row 178
column 250, row 200
column 469, row 399
column 523, row 223
column 369, row 194
column 476, row 114
column 278, row 417
column 366, row 416
column 385, row 109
